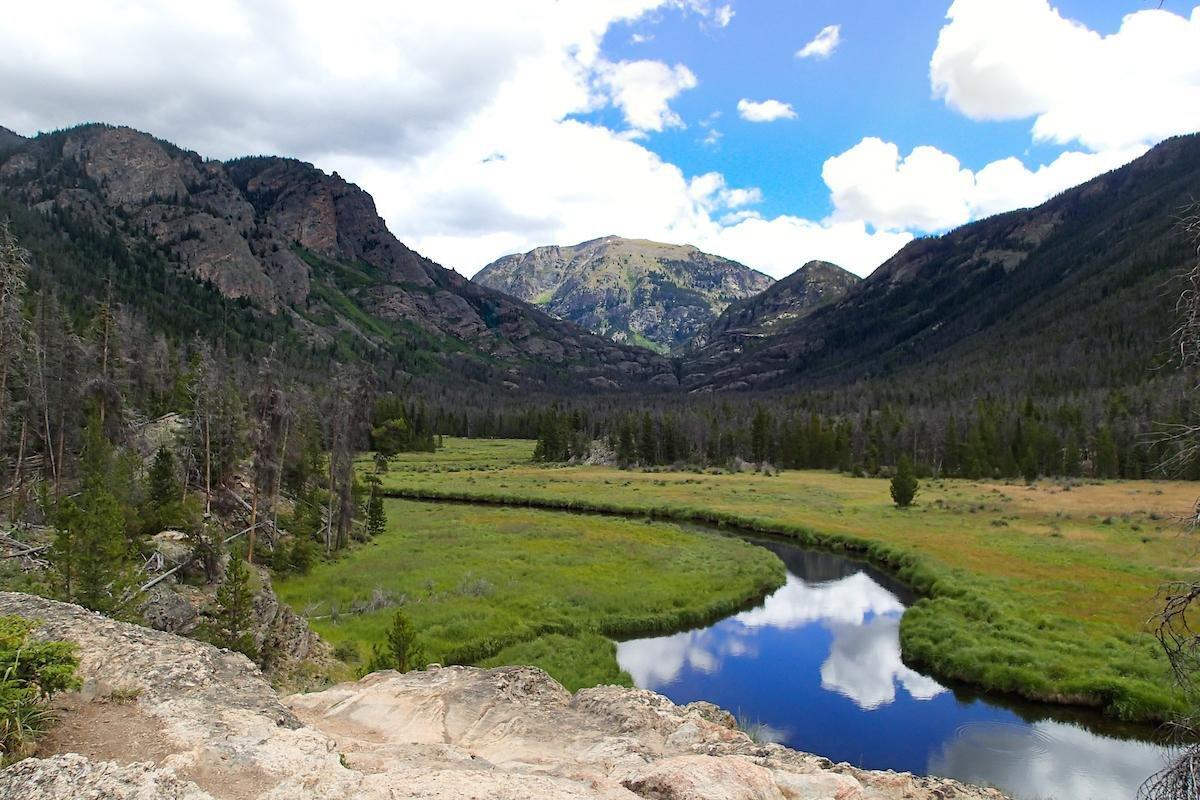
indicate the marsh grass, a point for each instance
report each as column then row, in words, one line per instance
column 1050, row 605
column 497, row 585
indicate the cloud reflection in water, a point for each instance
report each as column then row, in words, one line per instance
column 864, row 660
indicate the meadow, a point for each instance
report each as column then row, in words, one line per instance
column 1043, row 591
column 495, row 585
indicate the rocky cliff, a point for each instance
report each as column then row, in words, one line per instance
column 631, row 290
column 303, row 252
column 201, row 723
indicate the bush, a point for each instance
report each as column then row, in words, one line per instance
column 30, row 674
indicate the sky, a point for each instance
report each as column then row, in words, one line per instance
column 772, row 132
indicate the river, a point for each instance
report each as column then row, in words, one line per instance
column 817, row 667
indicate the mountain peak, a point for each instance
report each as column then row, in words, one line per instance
column 812, row 286
column 638, row 291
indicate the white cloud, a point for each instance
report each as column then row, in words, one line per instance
column 723, row 16
column 929, row 190
column 779, row 245
column 823, row 44
column 765, row 111
column 461, row 121
column 644, row 89
column 1022, row 59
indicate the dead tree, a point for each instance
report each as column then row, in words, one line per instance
column 1173, row 626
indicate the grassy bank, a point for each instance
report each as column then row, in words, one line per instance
column 497, row 585
column 1042, row 591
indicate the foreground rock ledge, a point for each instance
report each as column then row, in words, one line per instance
column 455, row 732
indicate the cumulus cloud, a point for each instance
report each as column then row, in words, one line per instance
column 464, row 121
column 723, row 16
column 1021, row 59
column 823, row 44
column 643, row 90
column 929, row 190
column 765, row 111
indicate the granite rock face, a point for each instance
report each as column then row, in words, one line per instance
column 456, row 732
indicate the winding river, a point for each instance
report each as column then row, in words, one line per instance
column 817, row 667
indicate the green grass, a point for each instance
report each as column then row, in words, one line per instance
column 1042, row 592
column 498, row 585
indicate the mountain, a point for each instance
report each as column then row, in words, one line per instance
column 813, row 285
column 9, row 140
column 274, row 253
column 631, row 290
column 1069, row 296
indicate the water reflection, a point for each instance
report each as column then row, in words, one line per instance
column 817, row 667
column 1047, row 759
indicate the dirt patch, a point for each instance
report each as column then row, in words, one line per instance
column 109, row 730
column 105, row 730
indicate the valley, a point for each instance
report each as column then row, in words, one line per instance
column 1066, row 568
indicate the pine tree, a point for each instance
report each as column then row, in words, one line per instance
column 904, row 484
column 647, row 442
column 162, row 483
column 1107, row 464
column 376, row 516
column 626, row 451
column 90, row 551
column 402, row 643
column 235, row 610
column 760, row 430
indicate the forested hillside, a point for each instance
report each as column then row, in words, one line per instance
column 1064, row 297
column 266, row 253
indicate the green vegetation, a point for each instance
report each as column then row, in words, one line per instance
column 235, row 609
column 498, row 585
column 30, row 674
column 904, row 484
column 1040, row 591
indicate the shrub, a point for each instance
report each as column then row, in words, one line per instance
column 30, row 674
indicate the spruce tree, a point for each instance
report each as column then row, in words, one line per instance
column 1107, row 465
column 626, row 451
column 162, row 483
column 235, row 609
column 376, row 516
column 402, row 643
column 647, row 442
column 904, row 484
column 760, row 430
column 90, row 551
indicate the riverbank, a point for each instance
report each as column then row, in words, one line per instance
column 1041, row 592
column 487, row 585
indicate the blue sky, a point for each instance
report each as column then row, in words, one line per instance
column 485, row 128
column 876, row 83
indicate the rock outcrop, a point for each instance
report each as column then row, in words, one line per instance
column 299, row 248
column 456, row 732
column 631, row 290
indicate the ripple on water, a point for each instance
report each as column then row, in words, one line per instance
column 1006, row 739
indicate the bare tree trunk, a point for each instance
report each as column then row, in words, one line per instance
column 329, row 521
column 253, row 524
column 278, row 490
column 207, row 466
column 62, row 435
column 17, row 475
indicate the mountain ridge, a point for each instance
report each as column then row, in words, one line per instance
column 1083, row 271
column 291, row 244
column 632, row 290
